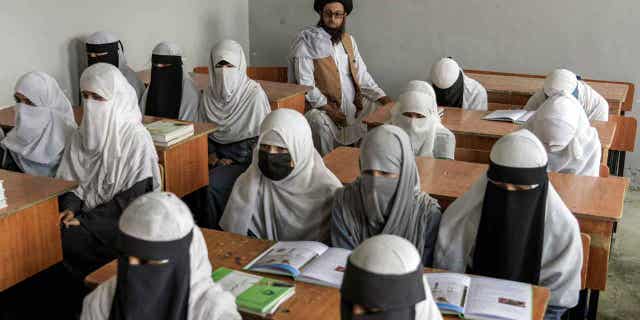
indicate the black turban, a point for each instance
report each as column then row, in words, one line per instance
column 318, row 5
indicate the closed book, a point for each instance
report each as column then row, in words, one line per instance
column 168, row 130
column 174, row 141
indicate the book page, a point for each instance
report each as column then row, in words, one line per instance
column 289, row 254
column 238, row 282
column 508, row 115
column 449, row 290
column 328, row 268
column 499, row 298
column 525, row 117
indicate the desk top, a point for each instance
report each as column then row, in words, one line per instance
column 529, row 84
column 310, row 301
column 24, row 191
column 470, row 122
column 276, row 91
column 588, row 197
column 8, row 115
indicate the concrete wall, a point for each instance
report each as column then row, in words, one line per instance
column 400, row 39
column 48, row 35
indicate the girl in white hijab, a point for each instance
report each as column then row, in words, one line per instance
column 512, row 224
column 392, row 263
column 287, row 191
column 113, row 158
column 106, row 47
column 237, row 106
column 420, row 86
column 44, row 122
column 417, row 114
column 163, row 271
column 454, row 89
column 562, row 81
column 572, row 144
column 171, row 92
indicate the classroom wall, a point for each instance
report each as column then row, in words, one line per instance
column 49, row 35
column 400, row 39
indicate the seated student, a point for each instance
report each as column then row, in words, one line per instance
column 384, row 280
column 163, row 268
column 44, row 122
column 287, row 191
column 454, row 89
column 386, row 198
column 562, row 81
column 237, row 106
column 572, row 144
column 106, row 47
column 171, row 92
column 420, row 86
column 113, row 159
column 513, row 225
column 417, row 114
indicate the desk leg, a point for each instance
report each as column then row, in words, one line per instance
column 593, row 305
column 579, row 312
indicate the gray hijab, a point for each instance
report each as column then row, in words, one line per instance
column 381, row 205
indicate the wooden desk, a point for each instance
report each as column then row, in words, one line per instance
column 281, row 95
column 474, row 133
column 185, row 164
column 29, row 228
column 511, row 88
column 597, row 203
column 310, row 301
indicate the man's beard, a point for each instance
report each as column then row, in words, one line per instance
column 336, row 34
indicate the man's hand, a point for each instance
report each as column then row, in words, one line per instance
column 213, row 160
column 68, row 219
column 385, row 101
column 225, row 162
column 335, row 114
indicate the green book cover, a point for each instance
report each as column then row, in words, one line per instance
column 253, row 293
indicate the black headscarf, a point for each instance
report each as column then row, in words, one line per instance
column 510, row 236
column 452, row 96
column 165, row 90
column 396, row 295
column 318, row 5
column 153, row 291
column 110, row 48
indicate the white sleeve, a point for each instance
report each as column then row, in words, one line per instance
column 536, row 100
column 304, row 74
column 596, row 104
column 368, row 85
column 475, row 95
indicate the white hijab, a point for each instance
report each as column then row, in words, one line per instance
column 103, row 37
column 190, row 93
column 572, row 143
column 393, row 255
column 164, row 217
column 421, row 131
column 38, row 140
column 562, row 245
column 233, row 102
column 295, row 208
column 112, row 150
column 445, row 73
column 420, row 86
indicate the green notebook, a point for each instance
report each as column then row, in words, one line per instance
column 254, row 294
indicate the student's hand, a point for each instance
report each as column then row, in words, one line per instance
column 213, row 160
column 68, row 219
column 384, row 101
column 335, row 114
column 225, row 162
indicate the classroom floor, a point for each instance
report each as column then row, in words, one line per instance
column 621, row 300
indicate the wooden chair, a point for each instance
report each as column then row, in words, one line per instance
column 275, row 74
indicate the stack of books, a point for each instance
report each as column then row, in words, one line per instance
column 3, row 199
column 166, row 132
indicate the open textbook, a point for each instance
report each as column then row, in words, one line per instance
column 515, row 116
column 480, row 298
column 305, row 261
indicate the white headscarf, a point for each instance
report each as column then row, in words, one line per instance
column 445, row 73
column 420, row 86
column 560, row 81
column 295, row 208
column 38, row 140
column 393, row 255
column 233, row 102
column 103, row 37
column 112, row 150
column 190, row 93
column 164, row 217
column 562, row 247
column 421, row 131
column 572, row 143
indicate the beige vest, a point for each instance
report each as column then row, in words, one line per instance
column 327, row 75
